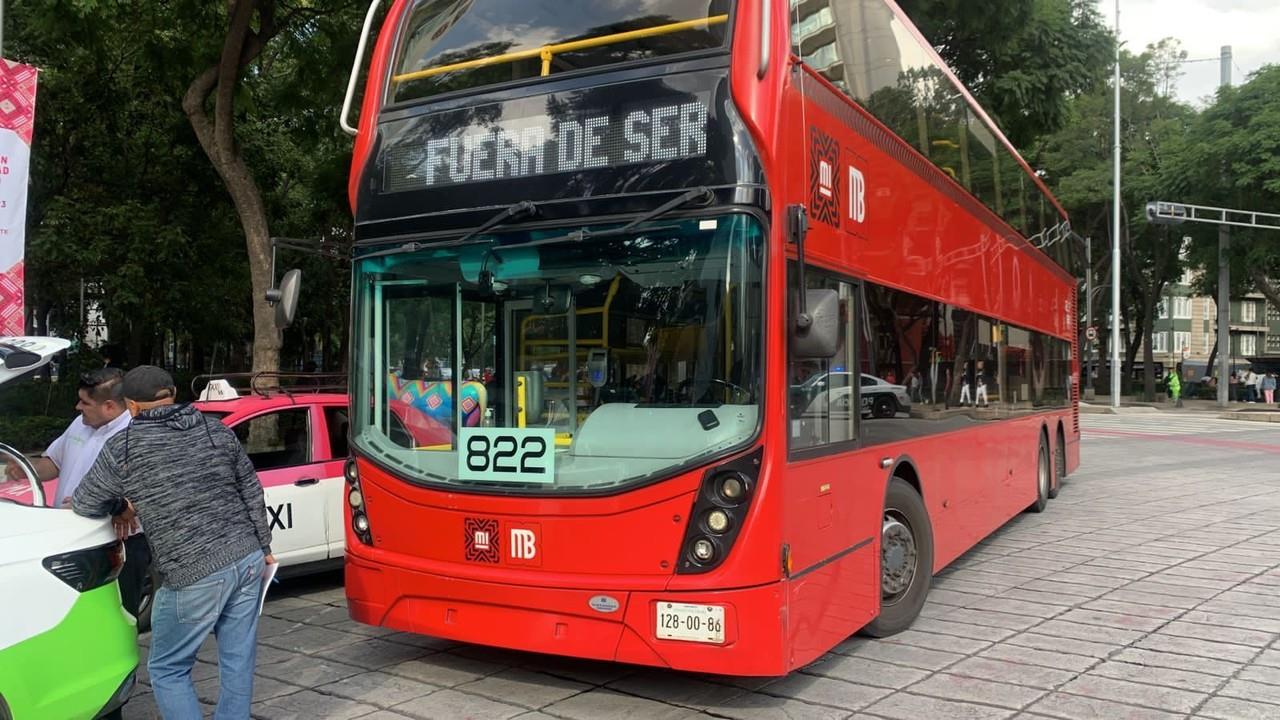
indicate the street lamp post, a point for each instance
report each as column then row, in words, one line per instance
column 1115, row 235
column 1224, row 273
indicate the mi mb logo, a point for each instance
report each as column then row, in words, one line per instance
column 824, row 181
column 523, row 544
column 480, row 540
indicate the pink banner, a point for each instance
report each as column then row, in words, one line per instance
column 17, row 121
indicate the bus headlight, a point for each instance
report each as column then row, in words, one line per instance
column 719, row 513
column 733, row 487
column 703, row 551
column 717, row 521
column 355, row 500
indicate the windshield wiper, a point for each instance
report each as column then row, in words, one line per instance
column 701, row 193
column 512, row 212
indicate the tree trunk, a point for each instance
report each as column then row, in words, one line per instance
column 216, row 135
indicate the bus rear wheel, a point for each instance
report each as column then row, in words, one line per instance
column 906, row 560
column 1044, row 479
column 1059, row 465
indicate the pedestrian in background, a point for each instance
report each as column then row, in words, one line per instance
column 1175, row 389
column 1257, row 385
column 1250, row 381
column 1269, row 387
column 191, row 482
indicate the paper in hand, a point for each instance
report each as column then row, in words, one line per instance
column 267, row 576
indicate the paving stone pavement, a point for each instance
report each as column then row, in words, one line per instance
column 1149, row 589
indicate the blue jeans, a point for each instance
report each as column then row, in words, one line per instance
column 225, row 602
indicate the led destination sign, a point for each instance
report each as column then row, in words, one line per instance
column 545, row 145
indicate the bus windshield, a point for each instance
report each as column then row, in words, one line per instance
column 453, row 45
column 626, row 355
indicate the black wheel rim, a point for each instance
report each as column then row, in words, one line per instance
column 899, row 557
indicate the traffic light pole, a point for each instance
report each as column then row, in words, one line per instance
column 1167, row 213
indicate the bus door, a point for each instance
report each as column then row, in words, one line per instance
column 834, row 493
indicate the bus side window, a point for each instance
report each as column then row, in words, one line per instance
column 823, row 397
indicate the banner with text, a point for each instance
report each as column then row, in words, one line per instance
column 17, row 120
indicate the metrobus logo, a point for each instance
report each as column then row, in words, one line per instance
column 824, row 181
column 481, row 541
column 524, row 544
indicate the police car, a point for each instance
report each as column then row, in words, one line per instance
column 67, row 647
column 879, row 398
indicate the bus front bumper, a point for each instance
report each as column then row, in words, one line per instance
column 595, row 623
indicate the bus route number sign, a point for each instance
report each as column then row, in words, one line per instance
column 514, row 455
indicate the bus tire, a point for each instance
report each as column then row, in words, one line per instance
column 906, row 559
column 1044, row 478
column 1059, row 465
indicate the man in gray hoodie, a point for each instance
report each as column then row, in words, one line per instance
column 195, row 490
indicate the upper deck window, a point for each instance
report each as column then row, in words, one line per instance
column 453, row 45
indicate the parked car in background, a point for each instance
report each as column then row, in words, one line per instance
column 879, row 398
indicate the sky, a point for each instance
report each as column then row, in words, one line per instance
column 1250, row 27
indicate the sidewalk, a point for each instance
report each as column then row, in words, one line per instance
column 1257, row 412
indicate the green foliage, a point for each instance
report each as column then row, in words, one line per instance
column 1023, row 61
column 1078, row 159
column 123, row 197
column 1231, row 158
column 30, row 433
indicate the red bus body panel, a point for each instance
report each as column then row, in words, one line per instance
column 804, row 572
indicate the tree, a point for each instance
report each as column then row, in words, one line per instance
column 1231, row 159
column 1023, row 61
column 124, row 197
column 1078, row 159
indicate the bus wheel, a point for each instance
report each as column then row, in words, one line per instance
column 1059, row 465
column 906, row 560
column 1044, row 479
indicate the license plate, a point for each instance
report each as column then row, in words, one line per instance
column 694, row 623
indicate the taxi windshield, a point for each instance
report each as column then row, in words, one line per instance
column 616, row 358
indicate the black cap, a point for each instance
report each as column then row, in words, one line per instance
column 148, row 383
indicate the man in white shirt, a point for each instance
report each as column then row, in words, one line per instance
column 102, row 414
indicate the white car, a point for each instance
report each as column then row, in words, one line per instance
column 67, row 647
column 833, row 392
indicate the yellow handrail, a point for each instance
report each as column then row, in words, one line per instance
column 546, row 52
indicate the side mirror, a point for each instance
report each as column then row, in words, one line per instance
column 285, row 298
column 821, row 338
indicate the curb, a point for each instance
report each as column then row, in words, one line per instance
column 1267, row 417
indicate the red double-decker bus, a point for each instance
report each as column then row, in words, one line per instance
column 733, row 322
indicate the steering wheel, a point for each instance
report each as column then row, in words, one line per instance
column 741, row 392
